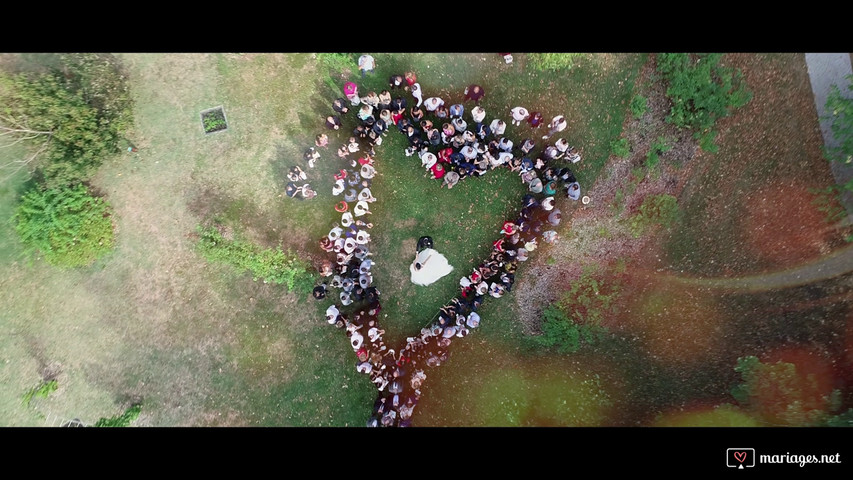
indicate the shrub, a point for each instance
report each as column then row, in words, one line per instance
column 42, row 391
column 576, row 317
column 620, row 148
column 780, row 395
column 338, row 63
column 78, row 114
column 841, row 117
column 655, row 210
column 124, row 420
column 701, row 90
column 553, row 61
column 270, row 265
column 67, row 225
column 658, row 147
column 639, row 105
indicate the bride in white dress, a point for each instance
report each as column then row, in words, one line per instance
column 428, row 267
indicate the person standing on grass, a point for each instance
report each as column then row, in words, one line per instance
column 475, row 93
column 478, row 114
column 396, row 81
column 442, row 112
column 432, row 103
column 451, row 178
column 497, row 127
column 340, row 105
column 418, row 94
column 333, row 122
column 573, row 191
column 351, row 92
column 519, row 114
column 535, row 120
column 411, row 79
column 366, row 63
column 322, row 140
column 558, row 124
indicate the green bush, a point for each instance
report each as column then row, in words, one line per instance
column 338, row 63
column 42, row 391
column 655, row 210
column 841, row 116
column 620, row 148
column 658, row 147
column 553, row 61
column 270, row 265
column 76, row 114
column 576, row 317
column 639, row 105
column 124, row 420
column 780, row 395
column 67, row 225
column 701, row 90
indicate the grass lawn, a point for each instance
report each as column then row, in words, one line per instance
column 202, row 344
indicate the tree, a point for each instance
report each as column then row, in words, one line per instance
column 779, row 394
column 841, row 108
column 702, row 91
column 74, row 115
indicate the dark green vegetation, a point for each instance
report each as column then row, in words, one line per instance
column 702, row 92
column 639, row 105
column 339, row 63
column 658, row 147
column 621, row 148
column 553, row 61
column 779, row 395
column 270, row 265
column 67, row 225
column 123, row 420
column 841, row 106
column 76, row 114
column 576, row 318
column 72, row 117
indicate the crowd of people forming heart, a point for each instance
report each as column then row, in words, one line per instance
column 464, row 145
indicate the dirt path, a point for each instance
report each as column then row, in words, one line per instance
column 838, row 263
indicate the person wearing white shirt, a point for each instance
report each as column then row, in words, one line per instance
column 432, row 103
column 558, row 124
column 497, row 127
column 519, row 114
column 459, row 124
column 478, row 114
column 366, row 63
column 418, row 94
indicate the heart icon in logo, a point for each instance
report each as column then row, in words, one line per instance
column 740, row 456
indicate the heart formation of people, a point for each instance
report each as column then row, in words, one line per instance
column 454, row 152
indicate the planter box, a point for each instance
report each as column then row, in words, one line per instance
column 213, row 120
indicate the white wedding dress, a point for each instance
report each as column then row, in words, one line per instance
column 433, row 267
